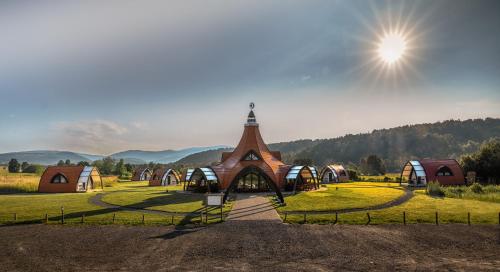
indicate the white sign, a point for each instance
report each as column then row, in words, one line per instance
column 214, row 199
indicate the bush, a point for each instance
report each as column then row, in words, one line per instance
column 126, row 176
column 476, row 188
column 386, row 179
column 434, row 189
column 353, row 174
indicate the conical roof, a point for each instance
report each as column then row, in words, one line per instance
column 251, row 141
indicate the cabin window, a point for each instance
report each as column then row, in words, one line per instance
column 59, row 179
column 444, row 171
column 251, row 156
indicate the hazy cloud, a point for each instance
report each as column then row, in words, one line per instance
column 98, row 136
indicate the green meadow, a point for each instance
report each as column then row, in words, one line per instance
column 22, row 204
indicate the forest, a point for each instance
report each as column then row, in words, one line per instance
column 395, row 146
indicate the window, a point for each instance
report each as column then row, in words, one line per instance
column 59, row 179
column 251, row 156
column 444, row 171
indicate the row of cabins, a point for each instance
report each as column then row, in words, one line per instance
column 250, row 167
column 65, row 179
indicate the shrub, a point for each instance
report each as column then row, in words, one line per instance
column 386, row 179
column 476, row 188
column 434, row 189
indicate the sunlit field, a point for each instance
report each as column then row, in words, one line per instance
column 35, row 207
column 18, row 182
column 343, row 196
column 140, row 196
column 420, row 209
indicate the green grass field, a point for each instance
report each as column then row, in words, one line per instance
column 420, row 209
column 343, row 196
column 32, row 207
column 139, row 195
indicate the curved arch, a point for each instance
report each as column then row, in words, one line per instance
column 164, row 177
column 327, row 169
column 247, row 170
column 295, row 172
column 208, row 177
column 143, row 173
column 414, row 173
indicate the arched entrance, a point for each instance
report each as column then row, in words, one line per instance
column 301, row 178
column 252, row 179
column 202, row 180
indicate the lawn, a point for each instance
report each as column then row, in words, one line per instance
column 420, row 209
column 343, row 196
column 139, row 195
column 32, row 207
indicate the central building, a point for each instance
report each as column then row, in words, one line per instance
column 252, row 167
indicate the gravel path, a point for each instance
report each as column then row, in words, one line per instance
column 254, row 207
column 251, row 246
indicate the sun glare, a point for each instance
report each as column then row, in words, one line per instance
column 392, row 48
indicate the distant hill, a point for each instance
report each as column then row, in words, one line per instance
column 45, row 157
column 49, row 157
column 202, row 158
column 448, row 139
column 165, row 156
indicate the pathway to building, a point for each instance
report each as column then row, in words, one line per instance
column 253, row 207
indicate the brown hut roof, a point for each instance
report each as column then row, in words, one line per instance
column 71, row 173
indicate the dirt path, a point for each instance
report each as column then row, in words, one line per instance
column 250, row 246
column 253, row 207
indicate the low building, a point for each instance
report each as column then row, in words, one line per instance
column 334, row 173
column 421, row 172
column 70, row 179
column 251, row 167
column 141, row 174
column 165, row 177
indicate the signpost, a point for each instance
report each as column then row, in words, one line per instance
column 214, row 200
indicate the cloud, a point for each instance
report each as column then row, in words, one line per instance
column 98, row 136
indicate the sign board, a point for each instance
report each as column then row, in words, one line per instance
column 214, row 200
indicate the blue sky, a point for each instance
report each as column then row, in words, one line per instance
column 106, row 76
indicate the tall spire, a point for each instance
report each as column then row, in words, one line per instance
column 251, row 121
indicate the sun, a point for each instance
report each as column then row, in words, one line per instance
column 392, row 48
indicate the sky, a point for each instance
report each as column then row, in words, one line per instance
column 105, row 76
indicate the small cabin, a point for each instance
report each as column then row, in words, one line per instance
column 141, row 174
column 301, row 178
column 334, row 173
column 165, row 177
column 70, row 179
column 421, row 172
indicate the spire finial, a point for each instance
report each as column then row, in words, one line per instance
column 251, row 116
